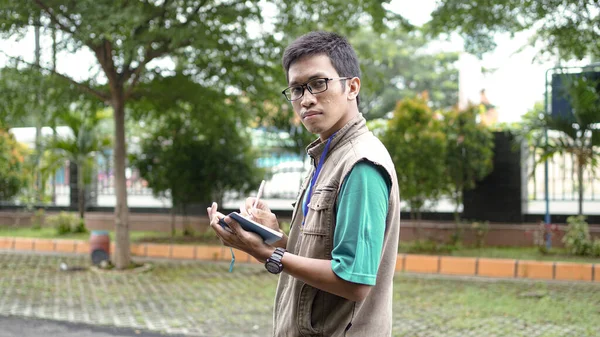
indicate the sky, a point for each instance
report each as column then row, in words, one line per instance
column 515, row 85
column 517, row 82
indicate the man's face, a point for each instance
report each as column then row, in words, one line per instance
column 323, row 113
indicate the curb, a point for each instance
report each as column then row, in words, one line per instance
column 428, row 264
column 498, row 268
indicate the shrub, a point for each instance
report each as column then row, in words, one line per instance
column 429, row 246
column 65, row 223
column 595, row 250
column 38, row 219
column 542, row 234
column 79, row 227
column 481, row 230
column 577, row 239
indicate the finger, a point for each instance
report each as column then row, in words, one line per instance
column 216, row 216
column 247, row 205
column 257, row 213
column 225, row 233
column 212, row 209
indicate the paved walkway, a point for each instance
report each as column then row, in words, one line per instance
column 202, row 299
column 33, row 327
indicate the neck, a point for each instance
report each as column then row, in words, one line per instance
column 340, row 124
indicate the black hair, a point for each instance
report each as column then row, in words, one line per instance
column 336, row 47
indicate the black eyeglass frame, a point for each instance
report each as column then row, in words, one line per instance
column 305, row 86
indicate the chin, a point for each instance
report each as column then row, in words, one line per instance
column 314, row 129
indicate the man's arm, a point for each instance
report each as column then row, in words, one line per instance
column 364, row 203
column 314, row 272
column 318, row 273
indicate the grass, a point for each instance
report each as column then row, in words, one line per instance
column 519, row 253
column 136, row 236
column 463, row 305
column 524, row 253
column 204, row 296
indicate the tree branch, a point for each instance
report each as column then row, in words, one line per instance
column 194, row 12
column 152, row 54
column 149, row 56
column 55, row 19
column 80, row 85
column 104, row 55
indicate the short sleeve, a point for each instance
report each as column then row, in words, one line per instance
column 360, row 224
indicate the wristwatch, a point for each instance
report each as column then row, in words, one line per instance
column 273, row 264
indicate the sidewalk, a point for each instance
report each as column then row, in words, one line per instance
column 200, row 298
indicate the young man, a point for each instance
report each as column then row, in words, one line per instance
column 338, row 262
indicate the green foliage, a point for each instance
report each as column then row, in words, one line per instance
column 30, row 97
column 595, row 249
column 38, row 218
column 577, row 239
column 196, row 157
column 480, row 229
column 417, row 145
column 12, row 163
column 396, row 65
column 428, row 247
column 564, row 28
column 285, row 227
column 65, row 223
column 88, row 140
column 469, row 152
column 578, row 134
column 541, row 235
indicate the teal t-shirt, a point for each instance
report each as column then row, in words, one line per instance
column 360, row 224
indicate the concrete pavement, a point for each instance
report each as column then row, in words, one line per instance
column 13, row 326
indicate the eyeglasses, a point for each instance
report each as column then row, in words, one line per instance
column 314, row 86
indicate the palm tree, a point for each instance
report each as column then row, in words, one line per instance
column 578, row 134
column 87, row 140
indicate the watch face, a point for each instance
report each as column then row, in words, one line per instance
column 273, row 267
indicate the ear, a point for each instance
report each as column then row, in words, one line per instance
column 354, row 88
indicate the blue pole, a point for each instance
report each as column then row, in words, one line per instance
column 546, row 189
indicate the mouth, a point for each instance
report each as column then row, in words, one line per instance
column 311, row 113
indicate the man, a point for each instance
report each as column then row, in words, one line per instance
column 338, row 262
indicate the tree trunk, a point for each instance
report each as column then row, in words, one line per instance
column 54, row 136
column 122, row 256
column 80, row 190
column 580, row 183
column 38, row 121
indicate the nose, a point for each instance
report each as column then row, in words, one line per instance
column 308, row 99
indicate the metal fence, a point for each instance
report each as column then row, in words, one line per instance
column 562, row 179
column 287, row 172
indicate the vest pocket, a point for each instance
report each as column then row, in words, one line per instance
column 319, row 216
column 309, row 302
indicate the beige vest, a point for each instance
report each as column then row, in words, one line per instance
column 302, row 310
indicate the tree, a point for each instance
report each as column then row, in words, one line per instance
column 81, row 148
column 397, row 65
column 12, row 157
column 191, row 156
column 577, row 134
column 417, row 145
column 469, row 152
column 530, row 132
column 173, row 162
column 567, row 28
column 209, row 41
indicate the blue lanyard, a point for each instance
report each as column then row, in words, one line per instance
column 314, row 178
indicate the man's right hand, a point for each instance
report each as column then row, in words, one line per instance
column 263, row 215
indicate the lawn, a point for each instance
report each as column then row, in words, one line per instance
column 519, row 253
column 202, row 298
column 136, row 236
